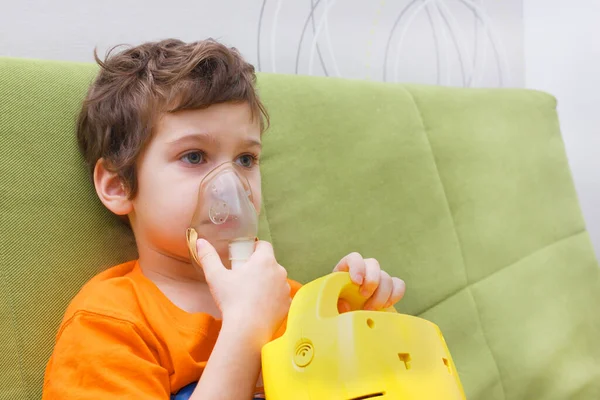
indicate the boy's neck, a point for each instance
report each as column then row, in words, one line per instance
column 183, row 284
column 168, row 267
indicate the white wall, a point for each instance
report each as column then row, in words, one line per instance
column 452, row 42
column 562, row 56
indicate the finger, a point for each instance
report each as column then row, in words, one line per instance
column 355, row 265
column 398, row 290
column 382, row 294
column 209, row 259
column 344, row 306
column 372, row 277
column 263, row 250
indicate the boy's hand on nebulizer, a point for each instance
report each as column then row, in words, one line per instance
column 376, row 285
column 255, row 296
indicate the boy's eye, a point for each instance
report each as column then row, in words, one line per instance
column 246, row 160
column 195, row 157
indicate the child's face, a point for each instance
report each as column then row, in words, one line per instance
column 185, row 147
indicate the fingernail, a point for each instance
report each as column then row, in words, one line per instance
column 201, row 243
column 358, row 279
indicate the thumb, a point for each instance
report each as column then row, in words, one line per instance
column 209, row 259
column 343, row 306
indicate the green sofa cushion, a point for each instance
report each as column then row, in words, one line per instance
column 465, row 193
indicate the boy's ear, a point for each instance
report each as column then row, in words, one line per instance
column 111, row 190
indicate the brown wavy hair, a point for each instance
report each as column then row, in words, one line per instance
column 136, row 84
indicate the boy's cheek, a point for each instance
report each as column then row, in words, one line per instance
column 258, row 207
column 255, row 185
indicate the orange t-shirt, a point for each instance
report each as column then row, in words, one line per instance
column 122, row 337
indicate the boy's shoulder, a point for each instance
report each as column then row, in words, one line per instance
column 112, row 293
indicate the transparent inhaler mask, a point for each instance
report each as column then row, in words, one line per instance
column 225, row 213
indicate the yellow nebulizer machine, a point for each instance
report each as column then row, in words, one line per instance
column 325, row 355
column 356, row 355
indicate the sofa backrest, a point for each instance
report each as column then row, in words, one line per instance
column 464, row 193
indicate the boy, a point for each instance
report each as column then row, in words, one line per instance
column 158, row 118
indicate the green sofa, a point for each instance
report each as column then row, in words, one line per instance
column 464, row 193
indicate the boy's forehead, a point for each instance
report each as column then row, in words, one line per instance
column 219, row 121
column 217, row 124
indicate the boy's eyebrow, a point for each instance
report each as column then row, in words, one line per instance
column 253, row 142
column 248, row 142
column 193, row 136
